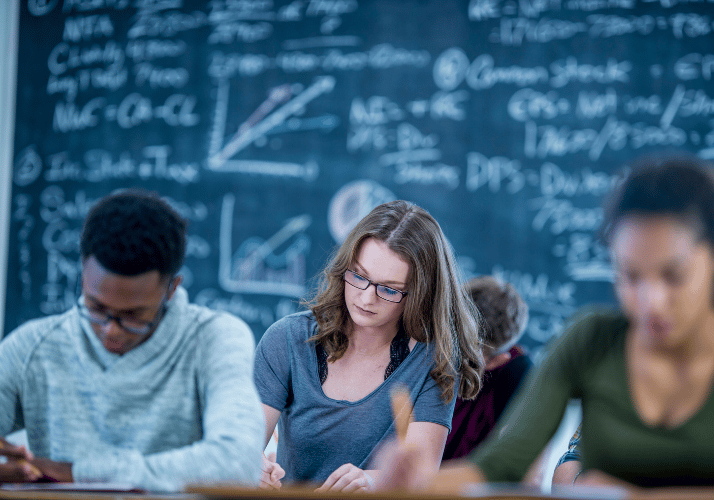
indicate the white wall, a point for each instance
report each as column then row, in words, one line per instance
column 9, row 14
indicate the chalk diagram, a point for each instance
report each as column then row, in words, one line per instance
column 290, row 101
column 351, row 203
column 273, row 266
column 276, row 265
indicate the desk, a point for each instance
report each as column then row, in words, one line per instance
column 83, row 495
column 489, row 492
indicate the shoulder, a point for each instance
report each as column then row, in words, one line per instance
column 221, row 322
column 591, row 334
column 26, row 339
column 283, row 345
column 596, row 325
column 294, row 328
column 202, row 320
column 211, row 332
column 36, row 331
column 516, row 368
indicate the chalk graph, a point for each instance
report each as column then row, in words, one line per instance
column 277, row 113
column 272, row 266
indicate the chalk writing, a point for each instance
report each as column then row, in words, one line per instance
column 274, row 127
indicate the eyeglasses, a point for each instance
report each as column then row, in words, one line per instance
column 131, row 325
column 383, row 292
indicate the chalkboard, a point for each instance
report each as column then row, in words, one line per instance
column 273, row 126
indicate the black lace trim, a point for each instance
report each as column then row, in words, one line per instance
column 398, row 352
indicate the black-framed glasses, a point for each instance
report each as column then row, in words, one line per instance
column 383, row 291
column 131, row 325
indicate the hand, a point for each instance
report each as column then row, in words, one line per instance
column 59, row 472
column 270, row 474
column 348, row 478
column 17, row 469
column 594, row 477
column 401, row 468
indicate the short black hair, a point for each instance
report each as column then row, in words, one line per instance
column 133, row 232
column 675, row 184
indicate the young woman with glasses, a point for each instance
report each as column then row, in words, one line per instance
column 389, row 312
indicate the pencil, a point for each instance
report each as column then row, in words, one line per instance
column 402, row 411
column 22, row 461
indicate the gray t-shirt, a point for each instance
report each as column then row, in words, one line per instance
column 318, row 434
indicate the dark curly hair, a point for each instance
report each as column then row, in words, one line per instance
column 503, row 312
column 675, row 184
column 133, row 232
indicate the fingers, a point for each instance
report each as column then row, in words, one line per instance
column 347, row 478
column 334, row 477
column 30, row 472
column 267, row 481
column 14, row 452
column 270, row 475
column 358, row 484
column 278, row 473
column 19, row 471
column 18, row 465
column 267, row 484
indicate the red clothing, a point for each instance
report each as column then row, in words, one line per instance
column 474, row 419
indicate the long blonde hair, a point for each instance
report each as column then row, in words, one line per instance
column 437, row 310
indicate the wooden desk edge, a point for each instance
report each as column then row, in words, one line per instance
column 227, row 491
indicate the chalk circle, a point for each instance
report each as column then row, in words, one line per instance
column 351, row 203
column 27, row 167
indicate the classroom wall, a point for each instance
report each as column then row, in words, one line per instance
column 274, row 126
column 8, row 64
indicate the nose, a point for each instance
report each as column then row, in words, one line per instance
column 369, row 294
column 110, row 329
column 652, row 297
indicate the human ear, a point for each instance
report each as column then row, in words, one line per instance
column 175, row 282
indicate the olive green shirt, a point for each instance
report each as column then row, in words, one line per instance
column 588, row 362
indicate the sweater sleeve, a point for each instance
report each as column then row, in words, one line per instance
column 232, row 419
column 12, row 354
column 539, row 405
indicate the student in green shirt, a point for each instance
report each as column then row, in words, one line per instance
column 643, row 372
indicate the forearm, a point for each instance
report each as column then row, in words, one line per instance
column 233, row 459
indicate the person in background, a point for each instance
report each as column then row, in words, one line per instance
column 504, row 317
column 643, row 371
column 133, row 385
column 390, row 312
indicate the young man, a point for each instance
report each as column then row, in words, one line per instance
column 504, row 315
column 134, row 384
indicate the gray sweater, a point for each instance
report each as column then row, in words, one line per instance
column 179, row 408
